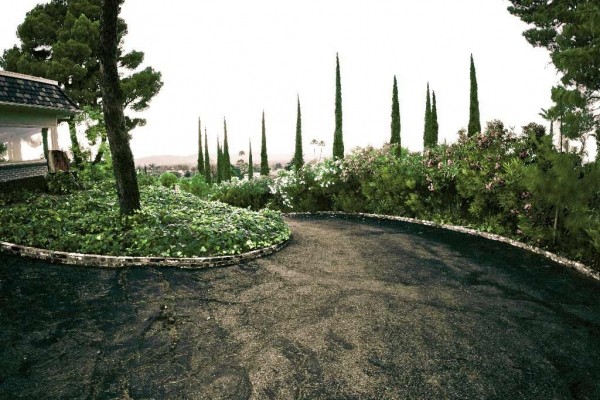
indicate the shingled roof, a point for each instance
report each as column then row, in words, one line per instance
column 24, row 90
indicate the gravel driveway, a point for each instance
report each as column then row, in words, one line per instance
column 349, row 310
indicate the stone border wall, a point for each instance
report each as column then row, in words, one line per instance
column 579, row 267
column 95, row 260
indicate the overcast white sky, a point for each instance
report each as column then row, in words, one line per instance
column 235, row 58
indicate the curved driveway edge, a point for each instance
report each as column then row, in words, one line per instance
column 96, row 260
column 578, row 266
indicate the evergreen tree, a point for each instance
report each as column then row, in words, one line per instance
column 428, row 130
column 207, row 174
column 570, row 31
column 298, row 161
column 264, row 162
column 200, row 155
column 338, row 138
column 474, row 120
column 219, row 162
column 395, row 138
column 434, row 121
column 59, row 41
column 226, row 160
column 250, row 165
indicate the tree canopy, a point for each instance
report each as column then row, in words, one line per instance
column 60, row 40
column 570, row 30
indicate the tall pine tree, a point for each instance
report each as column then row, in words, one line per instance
column 569, row 30
column 226, row 160
column 474, row 120
column 427, row 131
column 338, row 138
column 434, row 121
column 207, row 174
column 200, row 155
column 264, row 162
column 298, row 156
column 395, row 138
column 250, row 165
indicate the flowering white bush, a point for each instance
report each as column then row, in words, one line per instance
column 307, row 188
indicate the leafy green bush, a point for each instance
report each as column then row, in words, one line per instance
column 62, row 182
column 169, row 224
column 195, row 185
column 168, row 179
column 254, row 193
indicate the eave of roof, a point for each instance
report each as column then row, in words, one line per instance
column 57, row 109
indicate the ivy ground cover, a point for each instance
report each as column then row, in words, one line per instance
column 170, row 224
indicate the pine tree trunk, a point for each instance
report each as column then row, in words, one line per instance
column 75, row 147
column 100, row 152
column 112, row 104
column 598, row 146
column 555, row 225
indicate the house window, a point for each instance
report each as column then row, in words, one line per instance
column 22, row 143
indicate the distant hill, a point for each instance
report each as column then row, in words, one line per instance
column 191, row 159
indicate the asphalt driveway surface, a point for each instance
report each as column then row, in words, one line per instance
column 349, row 310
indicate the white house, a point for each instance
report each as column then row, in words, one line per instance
column 29, row 106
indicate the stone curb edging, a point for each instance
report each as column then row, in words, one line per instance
column 95, row 260
column 579, row 267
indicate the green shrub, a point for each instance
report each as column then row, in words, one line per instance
column 62, row 182
column 195, row 185
column 168, row 179
column 254, row 194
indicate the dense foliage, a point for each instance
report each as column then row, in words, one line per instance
column 569, row 29
column 495, row 181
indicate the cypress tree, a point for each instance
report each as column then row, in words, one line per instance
column 219, row 162
column 474, row 120
column 200, row 155
column 226, row 160
column 264, row 163
column 395, row 138
column 338, row 139
column 298, row 156
column 207, row 174
column 250, row 166
column 434, row 121
column 427, row 130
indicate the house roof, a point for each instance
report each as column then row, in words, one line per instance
column 30, row 91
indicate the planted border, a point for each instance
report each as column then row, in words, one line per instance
column 577, row 266
column 96, row 260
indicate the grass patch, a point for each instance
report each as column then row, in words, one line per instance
column 171, row 224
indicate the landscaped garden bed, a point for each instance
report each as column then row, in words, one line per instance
column 170, row 224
